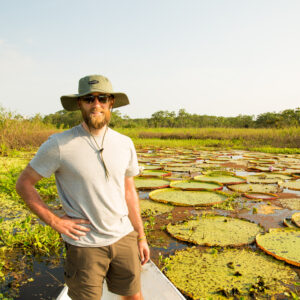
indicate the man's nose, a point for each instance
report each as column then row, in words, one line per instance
column 97, row 102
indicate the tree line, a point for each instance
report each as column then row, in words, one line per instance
column 183, row 119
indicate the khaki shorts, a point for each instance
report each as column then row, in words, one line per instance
column 119, row 264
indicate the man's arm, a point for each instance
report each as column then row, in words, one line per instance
column 25, row 188
column 133, row 204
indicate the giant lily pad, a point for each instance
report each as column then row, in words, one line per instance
column 215, row 231
column 150, row 183
column 224, row 179
column 291, row 203
column 282, row 243
column 262, row 196
column 159, row 173
column 262, row 178
column 296, row 219
column 151, row 208
column 292, row 185
column 229, row 274
column 255, row 187
column 182, row 169
column 188, row 198
column 194, row 185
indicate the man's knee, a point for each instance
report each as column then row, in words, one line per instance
column 137, row 296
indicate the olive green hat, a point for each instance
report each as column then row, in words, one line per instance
column 90, row 84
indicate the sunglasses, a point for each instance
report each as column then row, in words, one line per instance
column 101, row 98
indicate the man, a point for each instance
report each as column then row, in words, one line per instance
column 94, row 168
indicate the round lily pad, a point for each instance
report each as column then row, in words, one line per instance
column 182, row 169
column 255, row 187
column 151, row 167
column 194, row 185
column 291, row 203
column 188, row 198
column 158, row 173
column 288, row 223
column 263, row 196
column 151, row 208
column 296, row 219
column 215, row 231
column 232, row 273
column 150, row 183
column 292, row 185
column 261, row 178
column 282, row 243
column 224, row 179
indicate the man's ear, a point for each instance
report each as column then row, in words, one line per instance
column 79, row 103
column 112, row 101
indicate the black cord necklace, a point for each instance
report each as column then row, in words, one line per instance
column 100, row 150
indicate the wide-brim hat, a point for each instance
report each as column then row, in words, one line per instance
column 91, row 84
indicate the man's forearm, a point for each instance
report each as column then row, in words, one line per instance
column 33, row 200
column 134, row 212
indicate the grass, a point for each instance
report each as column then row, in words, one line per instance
column 24, row 134
column 238, row 137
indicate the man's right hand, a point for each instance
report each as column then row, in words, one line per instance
column 71, row 227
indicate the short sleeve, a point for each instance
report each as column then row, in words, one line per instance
column 47, row 159
column 133, row 167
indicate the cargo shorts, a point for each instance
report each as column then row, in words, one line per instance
column 119, row 264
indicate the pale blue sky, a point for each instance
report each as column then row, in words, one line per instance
column 215, row 57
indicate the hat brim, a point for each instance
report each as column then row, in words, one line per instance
column 69, row 102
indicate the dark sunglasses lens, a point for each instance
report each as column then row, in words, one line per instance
column 89, row 99
column 103, row 98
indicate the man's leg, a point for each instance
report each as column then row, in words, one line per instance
column 85, row 269
column 137, row 296
column 123, row 276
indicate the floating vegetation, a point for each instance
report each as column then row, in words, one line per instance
column 183, row 169
column 282, row 243
column 266, row 209
column 262, row 178
column 213, row 230
column 262, row 196
column 292, row 185
column 151, row 208
column 187, row 198
column 224, row 179
column 194, row 185
column 158, row 173
column 231, row 273
column 288, row 223
column 291, row 203
column 255, row 187
column 150, row 183
column 296, row 219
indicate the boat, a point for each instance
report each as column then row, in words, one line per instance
column 155, row 286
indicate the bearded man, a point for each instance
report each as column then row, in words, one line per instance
column 94, row 168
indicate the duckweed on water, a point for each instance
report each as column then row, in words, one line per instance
column 215, row 230
column 228, row 274
column 282, row 243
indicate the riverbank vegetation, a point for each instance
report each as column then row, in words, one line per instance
column 20, row 133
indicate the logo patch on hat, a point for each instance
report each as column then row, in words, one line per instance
column 93, row 81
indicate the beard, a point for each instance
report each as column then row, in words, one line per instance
column 96, row 121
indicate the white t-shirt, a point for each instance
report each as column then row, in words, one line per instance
column 84, row 191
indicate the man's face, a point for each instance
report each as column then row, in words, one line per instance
column 95, row 114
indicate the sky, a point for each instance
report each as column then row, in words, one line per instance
column 213, row 57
